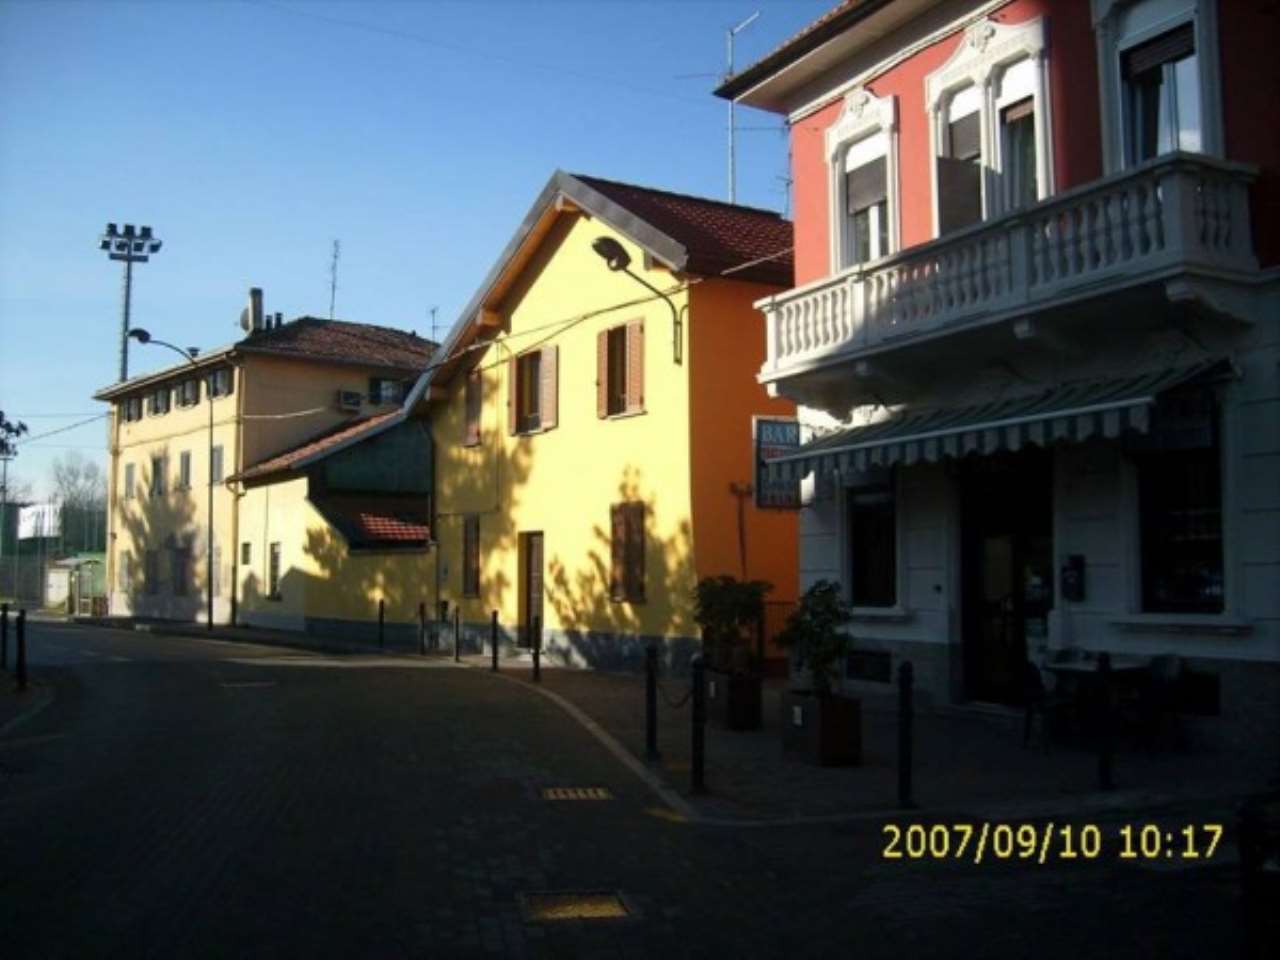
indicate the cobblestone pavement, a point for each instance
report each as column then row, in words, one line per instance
column 185, row 798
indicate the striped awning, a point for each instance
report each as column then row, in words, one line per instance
column 1070, row 412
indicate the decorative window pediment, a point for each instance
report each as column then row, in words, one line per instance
column 862, row 160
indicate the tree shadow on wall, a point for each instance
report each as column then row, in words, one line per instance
column 165, row 526
column 604, row 633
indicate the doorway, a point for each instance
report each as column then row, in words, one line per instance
column 531, row 592
column 1006, row 568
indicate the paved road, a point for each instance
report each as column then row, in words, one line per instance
column 195, row 798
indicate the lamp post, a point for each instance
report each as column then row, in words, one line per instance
column 189, row 355
column 618, row 260
column 130, row 246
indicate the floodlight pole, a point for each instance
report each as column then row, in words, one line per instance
column 131, row 246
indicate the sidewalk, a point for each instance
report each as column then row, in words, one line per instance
column 240, row 634
column 966, row 763
column 16, row 707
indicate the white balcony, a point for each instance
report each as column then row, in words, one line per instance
column 1179, row 214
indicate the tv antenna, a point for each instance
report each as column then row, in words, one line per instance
column 729, row 37
column 333, row 276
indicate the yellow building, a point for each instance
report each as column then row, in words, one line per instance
column 191, row 425
column 591, row 440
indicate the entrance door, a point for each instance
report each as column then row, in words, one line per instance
column 1006, row 569
column 531, row 585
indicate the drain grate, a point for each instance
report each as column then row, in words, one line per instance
column 575, row 905
column 576, row 793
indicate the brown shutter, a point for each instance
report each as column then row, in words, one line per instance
column 635, row 552
column 473, row 408
column 550, row 386
column 635, row 365
column 513, row 390
column 602, row 374
column 617, row 549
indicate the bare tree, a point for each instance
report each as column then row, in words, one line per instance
column 81, row 489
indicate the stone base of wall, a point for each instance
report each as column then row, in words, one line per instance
column 931, row 663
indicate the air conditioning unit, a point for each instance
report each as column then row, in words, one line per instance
column 350, row 400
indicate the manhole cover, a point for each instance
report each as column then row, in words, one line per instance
column 575, row 905
column 576, row 793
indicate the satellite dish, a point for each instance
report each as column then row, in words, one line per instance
column 246, row 321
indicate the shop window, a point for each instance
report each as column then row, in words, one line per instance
column 1180, row 507
column 873, row 547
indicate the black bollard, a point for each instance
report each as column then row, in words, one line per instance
column 22, row 650
column 422, row 628
column 493, row 638
column 4, row 636
column 697, row 764
column 906, row 680
column 651, row 703
column 537, row 649
column 457, row 634
column 382, row 617
column 1105, row 720
column 441, row 622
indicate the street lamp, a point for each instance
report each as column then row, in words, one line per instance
column 130, row 246
column 619, row 261
column 189, row 355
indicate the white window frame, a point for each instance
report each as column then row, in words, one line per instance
column 1118, row 27
column 862, row 117
column 987, row 50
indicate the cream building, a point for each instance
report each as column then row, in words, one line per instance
column 282, row 383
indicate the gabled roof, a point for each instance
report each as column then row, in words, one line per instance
column 716, row 236
column 331, row 441
column 312, row 338
column 686, row 233
column 308, row 338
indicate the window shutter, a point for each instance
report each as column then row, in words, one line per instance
column 964, row 138
column 473, row 408
column 513, row 391
column 602, row 374
column 959, row 194
column 617, row 550
column 1173, row 45
column 635, row 365
column 550, row 386
column 635, row 552
column 866, row 185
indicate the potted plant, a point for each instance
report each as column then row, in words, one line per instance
column 818, row 724
column 729, row 611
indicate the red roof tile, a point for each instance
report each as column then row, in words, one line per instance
column 289, row 459
column 375, row 521
column 315, row 339
column 717, row 236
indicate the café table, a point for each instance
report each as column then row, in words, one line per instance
column 1079, row 679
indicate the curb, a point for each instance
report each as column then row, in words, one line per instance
column 43, row 699
column 655, row 783
column 1127, row 801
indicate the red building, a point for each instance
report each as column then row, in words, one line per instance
column 1035, row 334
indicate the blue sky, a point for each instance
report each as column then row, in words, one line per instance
column 252, row 134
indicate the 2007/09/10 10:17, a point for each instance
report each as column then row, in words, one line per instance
column 1041, row 843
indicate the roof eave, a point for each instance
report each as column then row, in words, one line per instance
column 742, row 85
column 146, row 379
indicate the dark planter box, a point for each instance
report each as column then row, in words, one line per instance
column 825, row 730
column 733, row 700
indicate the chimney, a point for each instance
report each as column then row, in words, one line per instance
column 279, row 320
column 255, row 309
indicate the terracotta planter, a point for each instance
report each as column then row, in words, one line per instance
column 824, row 730
column 733, row 700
